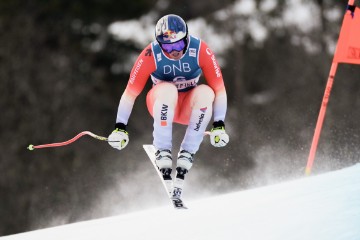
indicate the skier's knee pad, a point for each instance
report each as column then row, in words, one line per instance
column 166, row 93
column 203, row 96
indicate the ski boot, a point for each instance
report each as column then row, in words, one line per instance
column 164, row 163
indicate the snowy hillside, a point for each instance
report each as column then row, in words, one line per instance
column 324, row 207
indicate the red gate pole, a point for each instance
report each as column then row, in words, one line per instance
column 341, row 55
column 321, row 117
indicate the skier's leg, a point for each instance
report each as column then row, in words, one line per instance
column 161, row 102
column 199, row 103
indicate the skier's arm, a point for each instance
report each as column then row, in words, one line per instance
column 139, row 75
column 213, row 76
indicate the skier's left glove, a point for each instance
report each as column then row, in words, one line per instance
column 119, row 138
column 218, row 136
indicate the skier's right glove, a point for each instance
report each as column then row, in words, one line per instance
column 119, row 138
column 218, row 136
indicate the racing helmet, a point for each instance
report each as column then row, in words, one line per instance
column 170, row 29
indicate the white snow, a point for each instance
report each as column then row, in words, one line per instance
column 323, row 207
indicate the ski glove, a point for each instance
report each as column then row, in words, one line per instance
column 218, row 136
column 119, row 138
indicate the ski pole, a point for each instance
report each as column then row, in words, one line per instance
column 60, row 144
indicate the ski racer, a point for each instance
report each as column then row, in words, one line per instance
column 174, row 62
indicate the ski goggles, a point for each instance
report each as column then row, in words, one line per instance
column 176, row 46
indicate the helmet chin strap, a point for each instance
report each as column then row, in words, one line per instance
column 186, row 40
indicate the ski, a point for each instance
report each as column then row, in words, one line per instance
column 176, row 202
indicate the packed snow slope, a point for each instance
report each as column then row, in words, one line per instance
column 323, row 207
